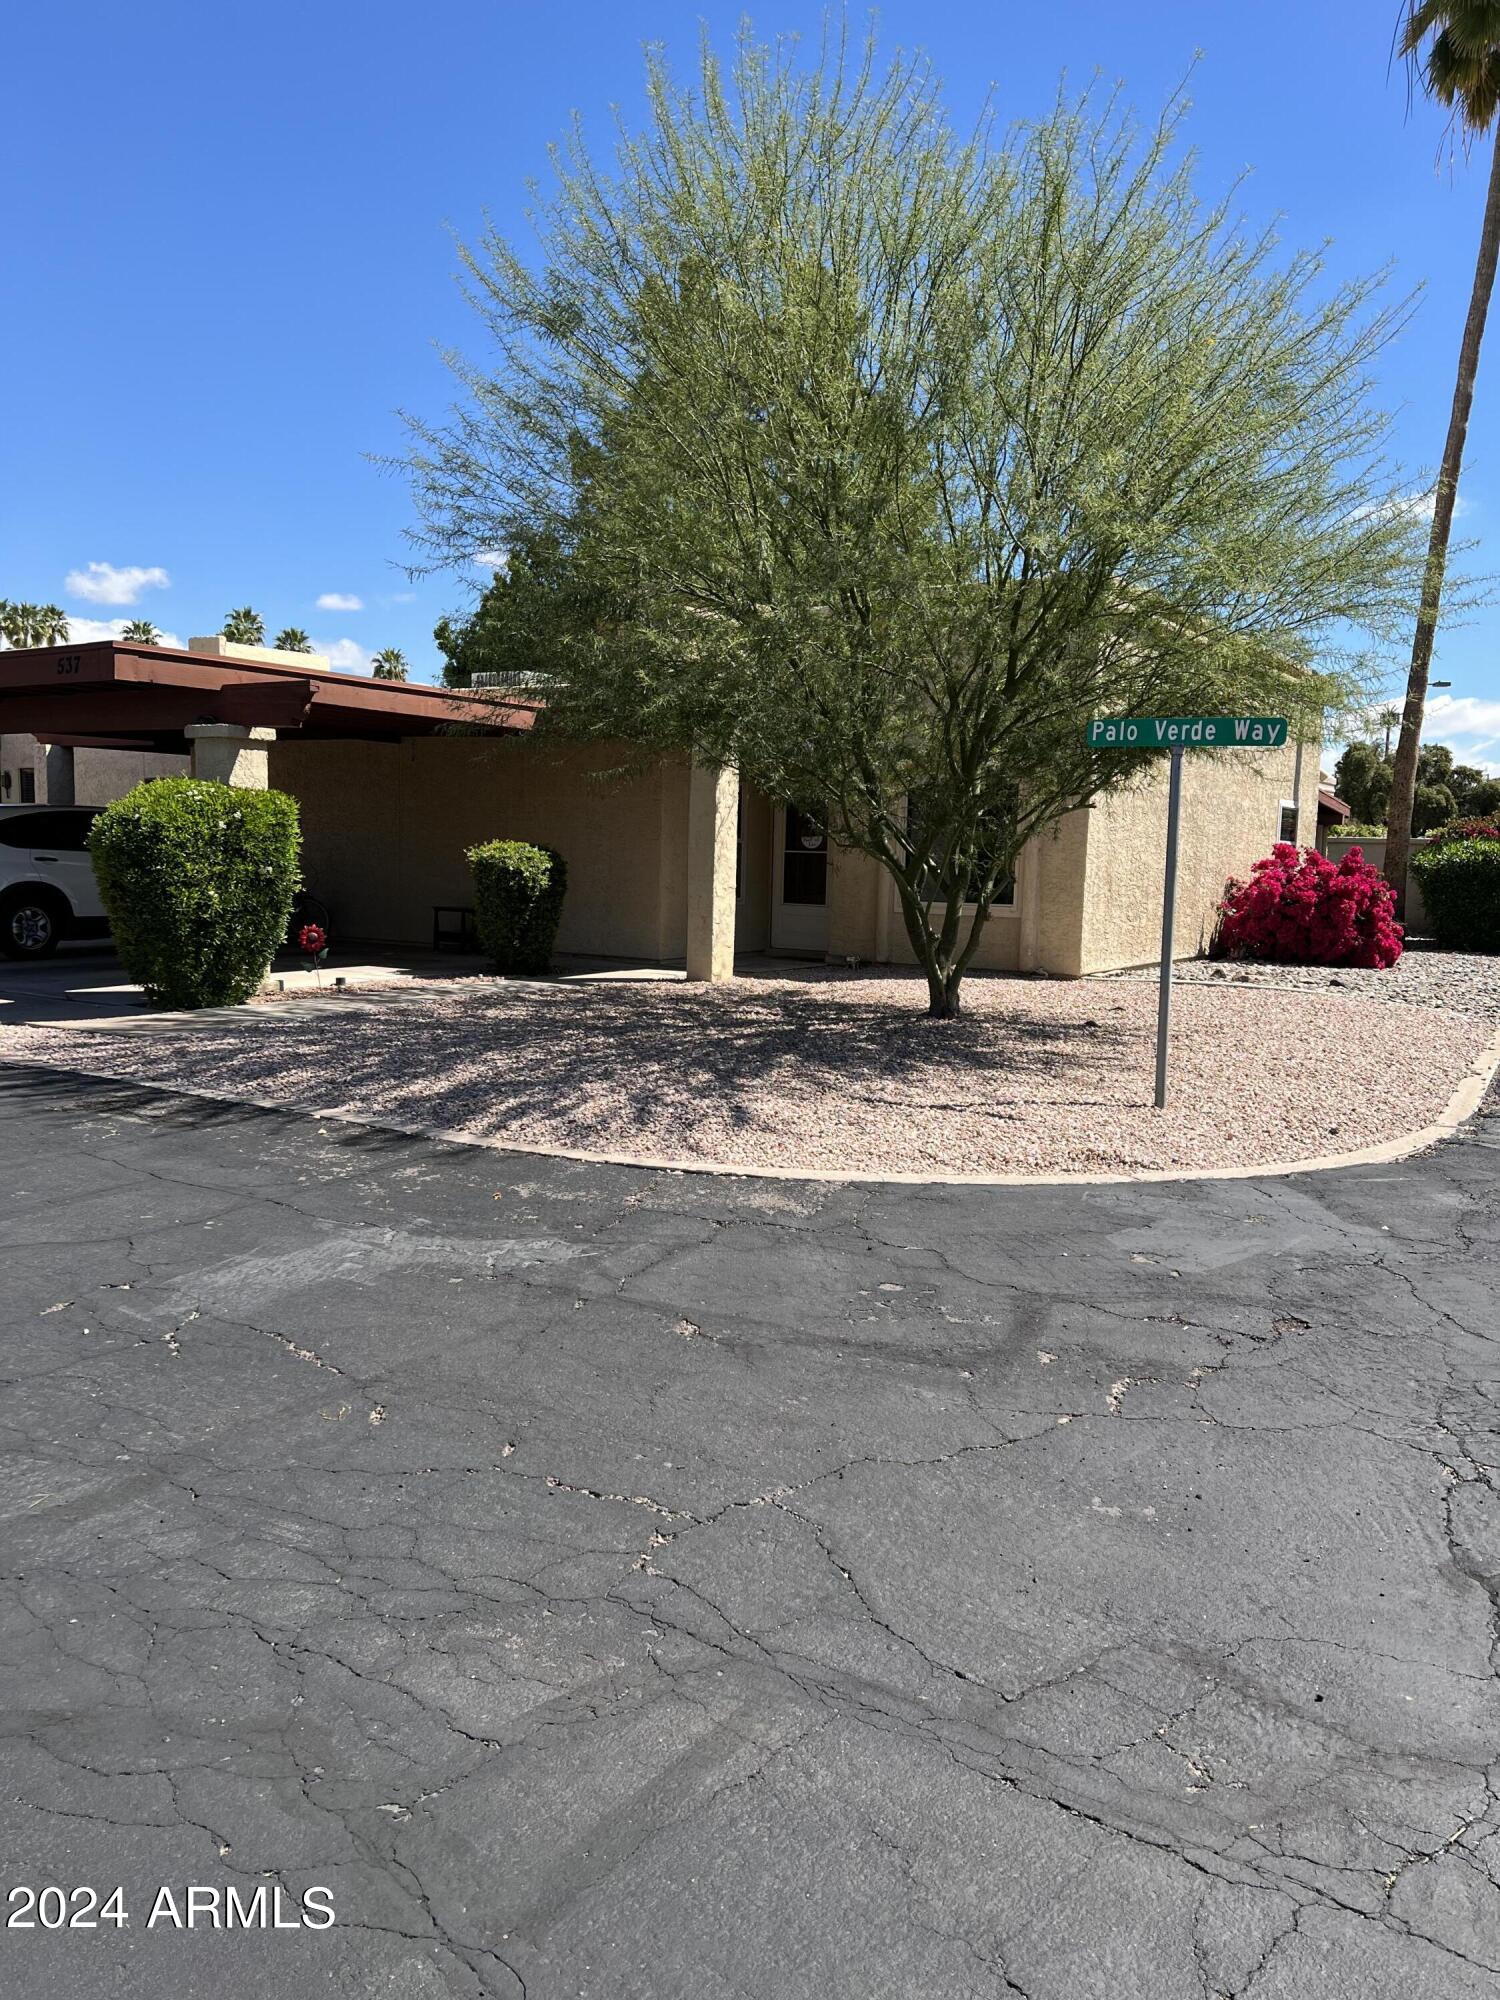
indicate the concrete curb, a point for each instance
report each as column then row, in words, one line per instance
column 1461, row 1106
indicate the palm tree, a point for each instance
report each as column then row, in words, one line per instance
column 140, row 632
column 1454, row 47
column 244, row 627
column 292, row 639
column 389, row 664
column 33, row 624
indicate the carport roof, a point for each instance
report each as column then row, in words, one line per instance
column 110, row 694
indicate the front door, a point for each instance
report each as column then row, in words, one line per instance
column 799, row 884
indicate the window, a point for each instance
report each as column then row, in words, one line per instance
column 1288, row 821
column 28, row 787
column 933, row 889
column 804, row 860
column 60, row 831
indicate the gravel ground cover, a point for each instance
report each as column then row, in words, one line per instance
column 1421, row 977
column 831, row 1075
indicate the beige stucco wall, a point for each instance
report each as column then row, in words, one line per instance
column 1088, row 890
column 1230, row 812
column 859, row 927
column 98, row 775
column 752, row 916
column 214, row 646
column 385, row 827
column 19, row 753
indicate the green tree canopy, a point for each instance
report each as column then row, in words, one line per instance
column 515, row 631
column 877, row 459
column 290, row 639
column 1435, row 806
column 141, row 632
column 1362, row 779
column 389, row 664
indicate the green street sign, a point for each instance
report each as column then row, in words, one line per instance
column 1202, row 732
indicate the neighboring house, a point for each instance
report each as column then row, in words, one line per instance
column 1333, row 815
column 86, row 777
column 666, row 863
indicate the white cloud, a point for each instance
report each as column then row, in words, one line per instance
column 340, row 600
column 491, row 558
column 103, row 583
column 1418, row 505
column 1468, row 725
column 347, row 655
column 82, row 630
column 1461, row 714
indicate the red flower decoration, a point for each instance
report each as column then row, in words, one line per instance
column 313, row 939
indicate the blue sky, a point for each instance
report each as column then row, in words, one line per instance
column 228, row 260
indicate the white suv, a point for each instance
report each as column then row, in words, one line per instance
column 47, row 886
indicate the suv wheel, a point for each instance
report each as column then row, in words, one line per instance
column 31, row 924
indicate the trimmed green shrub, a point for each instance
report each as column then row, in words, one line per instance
column 197, row 879
column 1460, row 883
column 518, row 899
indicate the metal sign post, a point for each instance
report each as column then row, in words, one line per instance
column 1168, row 924
column 1178, row 733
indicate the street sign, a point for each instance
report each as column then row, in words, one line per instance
column 1178, row 733
column 1197, row 732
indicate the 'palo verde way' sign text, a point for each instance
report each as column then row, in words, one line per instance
column 1206, row 732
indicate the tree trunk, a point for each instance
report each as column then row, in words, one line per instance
column 944, row 976
column 1404, row 775
column 942, row 994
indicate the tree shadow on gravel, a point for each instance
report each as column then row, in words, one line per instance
column 598, row 1063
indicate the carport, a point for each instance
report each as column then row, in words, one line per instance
column 224, row 712
column 387, row 811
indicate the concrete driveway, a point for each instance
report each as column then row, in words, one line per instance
column 617, row 1584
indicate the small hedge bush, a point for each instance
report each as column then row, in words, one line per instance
column 1300, row 908
column 197, row 879
column 1460, row 884
column 518, row 899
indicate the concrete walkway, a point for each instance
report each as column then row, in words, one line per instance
column 627, row 1585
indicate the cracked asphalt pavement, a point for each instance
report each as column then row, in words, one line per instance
column 628, row 1585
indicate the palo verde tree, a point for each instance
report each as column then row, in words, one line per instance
column 877, row 460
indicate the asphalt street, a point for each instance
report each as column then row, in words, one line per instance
column 628, row 1585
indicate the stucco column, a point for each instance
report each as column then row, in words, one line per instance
column 231, row 754
column 57, row 785
column 712, row 846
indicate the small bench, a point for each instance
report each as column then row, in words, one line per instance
column 453, row 928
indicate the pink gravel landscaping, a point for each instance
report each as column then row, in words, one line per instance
column 825, row 1075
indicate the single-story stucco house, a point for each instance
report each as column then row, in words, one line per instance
column 666, row 863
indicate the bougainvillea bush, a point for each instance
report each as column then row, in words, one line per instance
column 1300, row 908
column 1464, row 829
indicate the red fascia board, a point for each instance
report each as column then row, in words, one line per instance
column 66, row 670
